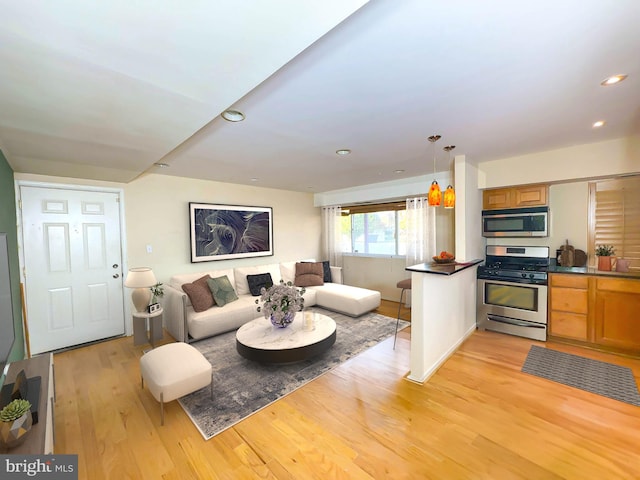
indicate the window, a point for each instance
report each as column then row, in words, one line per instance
column 615, row 217
column 374, row 229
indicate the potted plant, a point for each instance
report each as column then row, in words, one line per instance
column 604, row 252
column 15, row 422
column 157, row 291
column 281, row 302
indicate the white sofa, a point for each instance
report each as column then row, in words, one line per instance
column 187, row 325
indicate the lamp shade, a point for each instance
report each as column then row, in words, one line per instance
column 449, row 197
column 435, row 195
column 140, row 277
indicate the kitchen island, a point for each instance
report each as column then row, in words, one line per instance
column 443, row 313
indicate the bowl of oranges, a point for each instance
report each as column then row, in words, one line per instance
column 444, row 258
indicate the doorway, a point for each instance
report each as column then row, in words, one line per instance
column 72, row 265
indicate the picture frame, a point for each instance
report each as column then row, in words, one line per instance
column 224, row 232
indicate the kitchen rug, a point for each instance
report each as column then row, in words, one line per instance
column 242, row 387
column 601, row 378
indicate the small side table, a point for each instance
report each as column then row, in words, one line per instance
column 140, row 335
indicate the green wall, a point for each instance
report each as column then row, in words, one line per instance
column 8, row 224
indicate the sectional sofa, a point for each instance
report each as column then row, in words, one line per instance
column 186, row 324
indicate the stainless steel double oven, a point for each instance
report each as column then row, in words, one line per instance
column 512, row 291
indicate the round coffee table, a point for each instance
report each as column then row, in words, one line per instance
column 308, row 335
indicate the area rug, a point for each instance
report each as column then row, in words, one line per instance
column 606, row 379
column 242, row 387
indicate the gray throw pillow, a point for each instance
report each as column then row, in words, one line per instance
column 257, row 282
column 326, row 271
column 222, row 290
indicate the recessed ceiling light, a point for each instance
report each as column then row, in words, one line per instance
column 598, row 124
column 254, row 179
column 161, row 165
column 233, row 116
column 343, row 151
column 613, row 80
column 398, row 171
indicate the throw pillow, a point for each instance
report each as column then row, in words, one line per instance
column 222, row 290
column 257, row 282
column 326, row 271
column 199, row 294
column 309, row 274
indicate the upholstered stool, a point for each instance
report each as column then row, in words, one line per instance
column 173, row 371
column 404, row 285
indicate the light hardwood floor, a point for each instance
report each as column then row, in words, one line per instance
column 478, row 417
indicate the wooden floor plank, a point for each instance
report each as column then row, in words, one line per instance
column 478, row 417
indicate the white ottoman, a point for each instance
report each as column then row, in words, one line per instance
column 353, row 301
column 173, row 371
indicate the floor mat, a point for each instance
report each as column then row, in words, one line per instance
column 606, row 379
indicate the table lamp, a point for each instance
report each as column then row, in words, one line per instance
column 140, row 279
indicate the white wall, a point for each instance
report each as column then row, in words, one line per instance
column 468, row 236
column 580, row 162
column 157, row 210
column 377, row 273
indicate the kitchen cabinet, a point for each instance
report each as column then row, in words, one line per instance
column 515, row 197
column 595, row 310
column 617, row 304
column 569, row 306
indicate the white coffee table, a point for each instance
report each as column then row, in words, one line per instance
column 260, row 341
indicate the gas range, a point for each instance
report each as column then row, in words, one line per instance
column 515, row 264
column 512, row 291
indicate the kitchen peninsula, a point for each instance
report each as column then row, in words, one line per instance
column 443, row 313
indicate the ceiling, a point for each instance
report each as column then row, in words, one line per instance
column 104, row 92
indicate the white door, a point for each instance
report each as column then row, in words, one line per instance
column 73, row 266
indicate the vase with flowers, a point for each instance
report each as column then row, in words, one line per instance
column 281, row 302
column 604, row 253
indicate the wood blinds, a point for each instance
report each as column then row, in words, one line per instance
column 374, row 207
column 615, row 217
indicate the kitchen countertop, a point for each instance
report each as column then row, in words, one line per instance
column 593, row 271
column 443, row 269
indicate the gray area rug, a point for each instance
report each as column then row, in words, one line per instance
column 606, row 379
column 242, row 387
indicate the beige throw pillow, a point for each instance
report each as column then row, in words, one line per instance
column 309, row 274
column 199, row 294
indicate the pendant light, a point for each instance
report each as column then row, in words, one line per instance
column 434, row 196
column 449, row 193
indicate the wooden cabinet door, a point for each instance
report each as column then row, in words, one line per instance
column 568, row 325
column 617, row 321
column 496, row 198
column 533, row 195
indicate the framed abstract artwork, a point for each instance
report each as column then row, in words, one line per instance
column 224, row 232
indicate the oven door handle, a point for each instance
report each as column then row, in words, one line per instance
column 511, row 321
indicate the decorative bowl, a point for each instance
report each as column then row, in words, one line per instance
column 444, row 261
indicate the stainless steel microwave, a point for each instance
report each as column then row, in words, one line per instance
column 516, row 222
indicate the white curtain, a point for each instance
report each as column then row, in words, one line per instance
column 331, row 235
column 421, row 231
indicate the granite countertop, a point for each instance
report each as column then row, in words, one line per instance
column 443, row 269
column 593, row 271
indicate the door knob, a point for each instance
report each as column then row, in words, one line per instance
column 115, row 265
column 116, row 276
